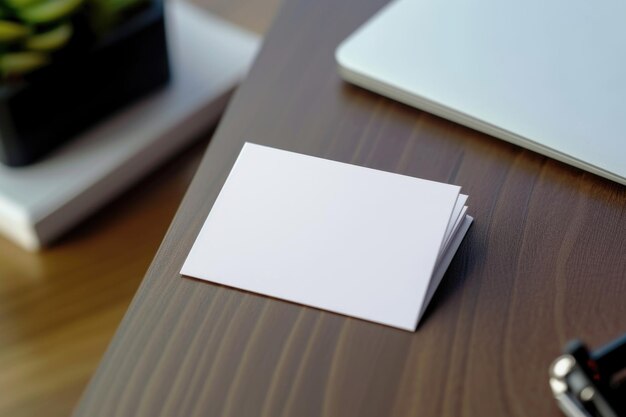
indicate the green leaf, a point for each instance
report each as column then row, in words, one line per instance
column 20, row 4
column 49, row 11
column 50, row 40
column 12, row 31
column 15, row 63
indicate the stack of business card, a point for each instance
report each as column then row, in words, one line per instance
column 344, row 238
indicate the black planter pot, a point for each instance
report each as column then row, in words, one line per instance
column 63, row 99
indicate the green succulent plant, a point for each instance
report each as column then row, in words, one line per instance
column 32, row 31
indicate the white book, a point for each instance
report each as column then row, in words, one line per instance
column 344, row 238
column 208, row 57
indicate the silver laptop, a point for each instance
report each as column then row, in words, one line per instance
column 546, row 75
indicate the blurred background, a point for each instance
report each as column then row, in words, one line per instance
column 60, row 307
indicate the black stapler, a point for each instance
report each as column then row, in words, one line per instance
column 591, row 384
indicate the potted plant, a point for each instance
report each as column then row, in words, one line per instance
column 66, row 64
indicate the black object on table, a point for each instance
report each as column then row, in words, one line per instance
column 61, row 100
column 588, row 383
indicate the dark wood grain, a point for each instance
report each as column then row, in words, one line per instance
column 544, row 262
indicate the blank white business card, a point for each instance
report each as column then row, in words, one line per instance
column 344, row 238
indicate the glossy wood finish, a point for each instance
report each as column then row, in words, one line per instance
column 59, row 308
column 544, row 262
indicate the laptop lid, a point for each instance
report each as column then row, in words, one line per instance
column 548, row 76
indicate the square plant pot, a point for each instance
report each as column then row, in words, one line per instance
column 56, row 102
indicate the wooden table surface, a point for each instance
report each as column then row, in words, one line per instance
column 545, row 261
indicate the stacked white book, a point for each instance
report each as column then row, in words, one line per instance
column 344, row 238
column 209, row 57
